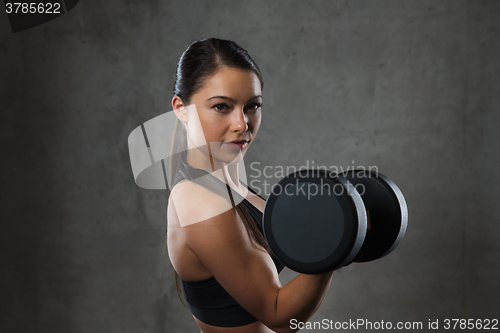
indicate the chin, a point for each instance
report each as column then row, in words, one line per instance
column 229, row 157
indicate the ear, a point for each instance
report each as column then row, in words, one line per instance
column 179, row 108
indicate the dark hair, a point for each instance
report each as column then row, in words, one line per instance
column 203, row 59
column 199, row 61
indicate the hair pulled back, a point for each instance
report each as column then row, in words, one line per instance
column 204, row 58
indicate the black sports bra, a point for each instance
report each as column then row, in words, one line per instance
column 208, row 301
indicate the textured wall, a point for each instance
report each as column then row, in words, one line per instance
column 409, row 86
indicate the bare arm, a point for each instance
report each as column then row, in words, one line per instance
column 300, row 299
column 248, row 273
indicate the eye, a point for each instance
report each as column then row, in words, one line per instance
column 221, row 107
column 254, row 106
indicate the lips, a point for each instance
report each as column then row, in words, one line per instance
column 236, row 144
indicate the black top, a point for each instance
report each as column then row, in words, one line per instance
column 208, row 300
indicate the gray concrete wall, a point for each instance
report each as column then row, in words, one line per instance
column 409, row 86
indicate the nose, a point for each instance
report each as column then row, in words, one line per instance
column 239, row 121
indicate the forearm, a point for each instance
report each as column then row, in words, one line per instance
column 300, row 298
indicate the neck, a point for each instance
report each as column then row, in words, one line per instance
column 227, row 173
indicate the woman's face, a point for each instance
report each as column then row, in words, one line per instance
column 226, row 115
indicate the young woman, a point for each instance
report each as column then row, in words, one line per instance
column 214, row 236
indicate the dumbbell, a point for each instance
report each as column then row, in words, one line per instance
column 316, row 221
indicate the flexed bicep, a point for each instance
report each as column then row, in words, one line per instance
column 238, row 263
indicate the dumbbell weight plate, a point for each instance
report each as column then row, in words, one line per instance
column 314, row 223
column 387, row 209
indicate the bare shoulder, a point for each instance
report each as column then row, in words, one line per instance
column 192, row 203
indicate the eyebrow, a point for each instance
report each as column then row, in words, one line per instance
column 232, row 100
